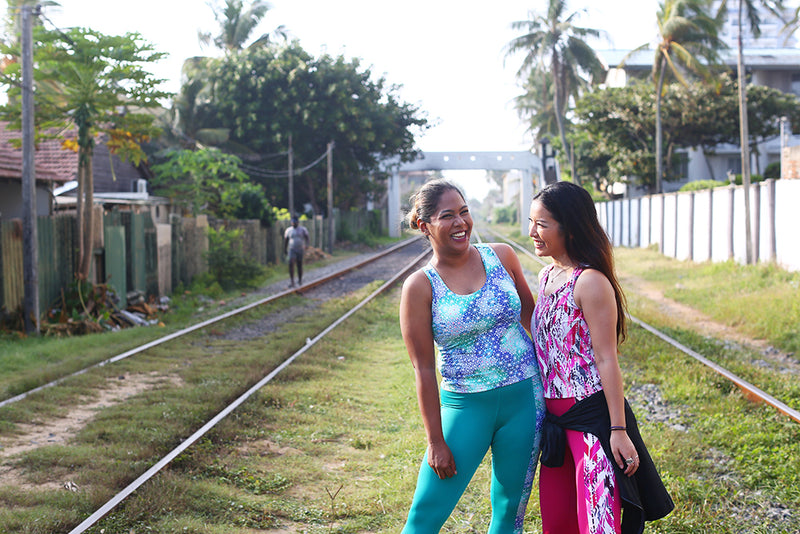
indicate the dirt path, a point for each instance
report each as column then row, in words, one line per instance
column 701, row 323
column 59, row 430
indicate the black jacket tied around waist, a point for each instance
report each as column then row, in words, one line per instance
column 644, row 497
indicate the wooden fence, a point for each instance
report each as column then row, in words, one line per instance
column 134, row 254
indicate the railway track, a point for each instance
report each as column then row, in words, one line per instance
column 338, row 278
column 314, row 283
column 394, row 262
column 404, row 269
column 750, row 391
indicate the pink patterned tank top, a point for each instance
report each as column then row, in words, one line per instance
column 563, row 344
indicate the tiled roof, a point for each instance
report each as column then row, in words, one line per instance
column 53, row 163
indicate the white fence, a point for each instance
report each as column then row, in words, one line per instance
column 710, row 224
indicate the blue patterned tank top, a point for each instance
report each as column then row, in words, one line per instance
column 482, row 344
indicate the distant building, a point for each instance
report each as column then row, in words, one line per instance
column 772, row 60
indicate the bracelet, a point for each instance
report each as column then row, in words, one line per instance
column 618, row 428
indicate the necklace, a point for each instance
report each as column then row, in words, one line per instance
column 553, row 278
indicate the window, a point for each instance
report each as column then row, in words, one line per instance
column 795, row 86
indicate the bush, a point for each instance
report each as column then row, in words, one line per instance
column 253, row 204
column 228, row 264
column 699, row 185
column 773, row 170
column 754, row 179
column 505, row 214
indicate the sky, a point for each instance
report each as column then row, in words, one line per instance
column 448, row 55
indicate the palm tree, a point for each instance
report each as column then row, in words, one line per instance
column 237, row 21
column 536, row 105
column 750, row 8
column 688, row 39
column 553, row 42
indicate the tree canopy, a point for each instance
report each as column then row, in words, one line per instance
column 261, row 97
column 617, row 124
column 88, row 84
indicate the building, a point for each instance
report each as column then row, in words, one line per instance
column 771, row 60
column 116, row 183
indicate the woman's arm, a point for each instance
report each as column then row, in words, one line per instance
column 595, row 296
column 415, row 325
column 510, row 261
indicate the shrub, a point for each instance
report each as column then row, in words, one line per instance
column 699, row 185
column 754, row 179
column 228, row 264
column 773, row 170
column 505, row 214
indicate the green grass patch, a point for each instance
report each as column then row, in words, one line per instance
column 334, row 443
column 761, row 301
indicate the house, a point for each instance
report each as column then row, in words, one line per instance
column 53, row 169
column 771, row 60
column 116, row 183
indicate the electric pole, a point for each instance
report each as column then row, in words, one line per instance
column 30, row 259
column 331, row 220
column 291, row 178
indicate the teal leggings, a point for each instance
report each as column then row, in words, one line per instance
column 503, row 419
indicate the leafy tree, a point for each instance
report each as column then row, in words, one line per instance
column 766, row 106
column 553, row 41
column 263, row 96
column 708, row 116
column 201, row 181
column 617, row 123
column 92, row 84
column 688, row 39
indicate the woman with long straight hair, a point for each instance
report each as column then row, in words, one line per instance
column 594, row 462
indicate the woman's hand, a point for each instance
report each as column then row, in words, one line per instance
column 624, row 452
column 441, row 460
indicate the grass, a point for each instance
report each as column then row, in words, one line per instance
column 345, row 419
column 334, row 443
column 762, row 301
column 26, row 363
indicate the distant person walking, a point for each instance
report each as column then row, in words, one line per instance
column 474, row 304
column 295, row 241
column 594, row 462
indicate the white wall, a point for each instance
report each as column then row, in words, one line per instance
column 710, row 225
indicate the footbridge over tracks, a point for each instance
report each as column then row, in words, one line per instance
column 528, row 163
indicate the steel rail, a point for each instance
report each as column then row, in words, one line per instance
column 158, row 466
column 213, row 320
column 751, row 392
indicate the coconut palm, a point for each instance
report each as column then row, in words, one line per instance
column 554, row 42
column 536, row 105
column 688, row 41
column 237, row 21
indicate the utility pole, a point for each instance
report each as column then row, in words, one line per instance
column 291, row 178
column 744, row 141
column 30, row 259
column 331, row 220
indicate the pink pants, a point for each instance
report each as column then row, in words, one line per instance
column 581, row 496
